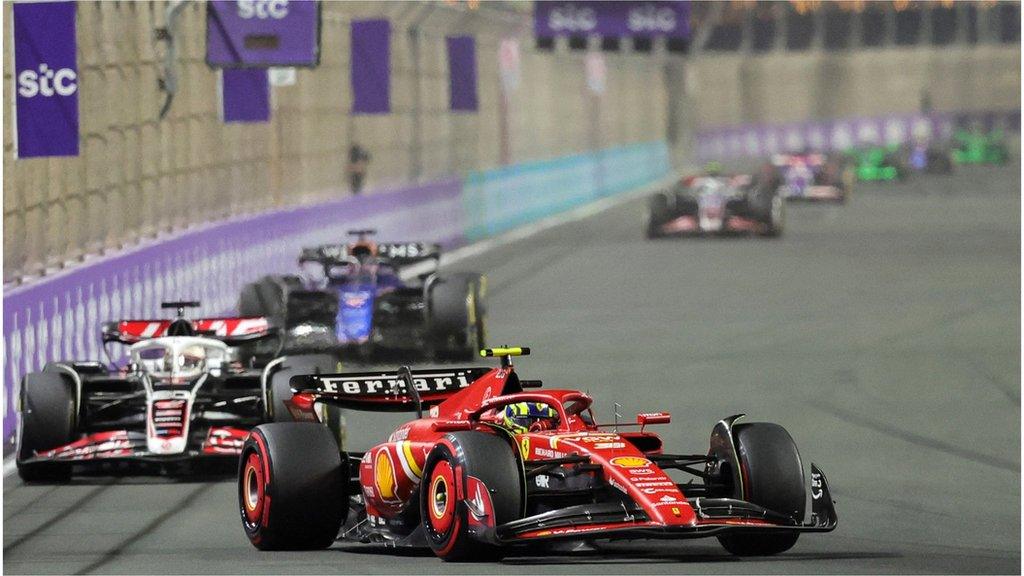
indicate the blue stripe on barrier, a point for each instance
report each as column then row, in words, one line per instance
column 501, row 199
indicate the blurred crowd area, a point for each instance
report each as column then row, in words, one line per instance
column 854, row 24
column 140, row 177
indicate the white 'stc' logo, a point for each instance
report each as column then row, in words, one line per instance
column 47, row 82
column 262, row 9
column 572, row 19
column 650, row 18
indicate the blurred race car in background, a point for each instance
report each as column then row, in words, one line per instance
column 813, row 177
column 492, row 462
column 189, row 391
column 880, row 164
column 352, row 298
column 715, row 204
column 975, row 146
column 927, row 157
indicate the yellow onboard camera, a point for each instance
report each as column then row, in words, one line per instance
column 507, row 351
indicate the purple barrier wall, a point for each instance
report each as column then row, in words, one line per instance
column 759, row 140
column 59, row 317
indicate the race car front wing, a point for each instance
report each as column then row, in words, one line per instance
column 616, row 520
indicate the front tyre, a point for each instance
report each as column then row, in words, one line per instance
column 776, row 217
column 292, row 487
column 48, row 420
column 773, row 477
column 487, row 466
column 658, row 212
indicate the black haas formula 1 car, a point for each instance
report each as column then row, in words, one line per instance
column 187, row 393
column 492, row 462
column 716, row 205
column 352, row 297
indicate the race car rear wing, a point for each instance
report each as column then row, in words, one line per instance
column 397, row 254
column 387, row 391
column 231, row 331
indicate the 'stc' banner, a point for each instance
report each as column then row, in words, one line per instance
column 371, row 66
column 46, row 78
column 245, row 95
column 462, row 73
column 247, row 33
column 669, row 18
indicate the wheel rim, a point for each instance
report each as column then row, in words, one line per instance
column 253, row 487
column 441, row 506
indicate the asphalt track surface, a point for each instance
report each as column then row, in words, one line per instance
column 883, row 334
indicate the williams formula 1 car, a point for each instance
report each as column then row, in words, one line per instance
column 812, row 177
column 715, row 204
column 188, row 392
column 492, row 462
column 351, row 297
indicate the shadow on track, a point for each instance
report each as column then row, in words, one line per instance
column 646, row 558
column 597, row 555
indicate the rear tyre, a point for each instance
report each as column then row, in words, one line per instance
column 280, row 390
column 292, row 487
column 48, row 420
column 773, row 478
column 444, row 508
column 266, row 297
column 458, row 315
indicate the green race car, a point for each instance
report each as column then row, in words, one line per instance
column 879, row 163
column 977, row 147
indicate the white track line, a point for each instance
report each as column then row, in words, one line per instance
column 477, row 248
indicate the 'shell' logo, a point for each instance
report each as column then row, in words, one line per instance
column 47, row 82
column 384, row 476
column 631, row 462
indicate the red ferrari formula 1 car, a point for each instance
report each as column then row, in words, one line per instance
column 497, row 463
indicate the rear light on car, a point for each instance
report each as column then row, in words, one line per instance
column 303, row 401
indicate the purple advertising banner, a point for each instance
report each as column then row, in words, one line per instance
column 462, row 73
column 46, row 71
column 247, row 33
column 371, row 66
column 245, row 95
column 837, row 135
column 616, row 18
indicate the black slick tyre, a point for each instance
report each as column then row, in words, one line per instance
column 48, row 420
column 292, row 487
column 773, row 477
column 279, row 388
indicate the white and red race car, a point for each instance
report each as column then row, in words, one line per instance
column 716, row 204
column 190, row 390
column 812, row 177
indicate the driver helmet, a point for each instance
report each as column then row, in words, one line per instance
column 189, row 363
column 363, row 250
column 522, row 417
column 713, row 168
